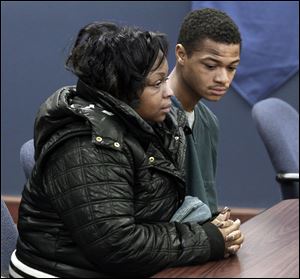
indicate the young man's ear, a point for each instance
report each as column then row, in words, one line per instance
column 180, row 54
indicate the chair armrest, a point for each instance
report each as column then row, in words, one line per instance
column 286, row 177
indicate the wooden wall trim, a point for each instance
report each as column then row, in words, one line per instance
column 12, row 203
column 242, row 213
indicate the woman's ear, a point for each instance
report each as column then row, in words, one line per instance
column 180, row 54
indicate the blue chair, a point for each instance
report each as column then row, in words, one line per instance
column 278, row 126
column 9, row 236
column 27, row 157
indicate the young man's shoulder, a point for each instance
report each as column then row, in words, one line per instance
column 206, row 114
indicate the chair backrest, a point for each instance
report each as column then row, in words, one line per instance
column 9, row 235
column 278, row 126
column 27, row 157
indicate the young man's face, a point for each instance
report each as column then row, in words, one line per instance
column 155, row 102
column 210, row 69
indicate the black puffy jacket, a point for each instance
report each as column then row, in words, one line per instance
column 103, row 190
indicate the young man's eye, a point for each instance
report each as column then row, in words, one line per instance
column 231, row 69
column 210, row 67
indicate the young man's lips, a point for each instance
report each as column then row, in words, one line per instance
column 218, row 91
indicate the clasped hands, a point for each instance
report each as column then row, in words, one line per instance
column 230, row 230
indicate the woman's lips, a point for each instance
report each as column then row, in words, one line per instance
column 166, row 109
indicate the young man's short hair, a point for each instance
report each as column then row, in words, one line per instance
column 207, row 23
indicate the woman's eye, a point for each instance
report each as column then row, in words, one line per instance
column 160, row 82
column 157, row 84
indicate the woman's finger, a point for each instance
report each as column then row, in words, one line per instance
column 233, row 235
column 233, row 249
column 237, row 241
column 235, row 226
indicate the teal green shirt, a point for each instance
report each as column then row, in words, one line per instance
column 201, row 156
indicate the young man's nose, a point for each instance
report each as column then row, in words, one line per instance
column 222, row 76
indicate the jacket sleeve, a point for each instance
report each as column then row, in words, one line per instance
column 92, row 190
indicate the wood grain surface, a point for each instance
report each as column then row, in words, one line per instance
column 270, row 249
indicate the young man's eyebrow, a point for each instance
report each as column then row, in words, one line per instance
column 218, row 61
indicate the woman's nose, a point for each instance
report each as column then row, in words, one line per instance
column 168, row 92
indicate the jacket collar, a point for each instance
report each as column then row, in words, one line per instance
column 127, row 113
column 107, row 116
column 177, row 104
column 109, row 103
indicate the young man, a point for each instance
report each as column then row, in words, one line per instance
column 207, row 54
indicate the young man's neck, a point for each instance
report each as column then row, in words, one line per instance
column 182, row 91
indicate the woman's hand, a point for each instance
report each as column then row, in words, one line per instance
column 233, row 237
column 223, row 216
column 230, row 230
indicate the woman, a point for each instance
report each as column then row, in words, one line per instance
column 109, row 168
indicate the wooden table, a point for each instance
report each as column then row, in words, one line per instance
column 270, row 249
